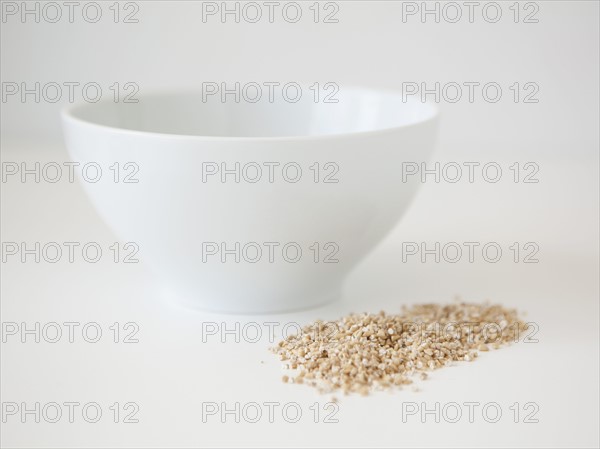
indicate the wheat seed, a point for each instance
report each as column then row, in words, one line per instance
column 380, row 351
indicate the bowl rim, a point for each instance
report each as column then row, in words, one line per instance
column 67, row 114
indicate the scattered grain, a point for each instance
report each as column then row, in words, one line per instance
column 379, row 351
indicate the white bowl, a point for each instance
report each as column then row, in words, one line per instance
column 180, row 215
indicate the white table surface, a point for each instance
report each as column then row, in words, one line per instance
column 170, row 372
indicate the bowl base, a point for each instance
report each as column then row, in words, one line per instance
column 216, row 306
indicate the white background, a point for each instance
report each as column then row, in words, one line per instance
column 171, row 371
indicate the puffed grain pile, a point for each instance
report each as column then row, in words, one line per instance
column 363, row 352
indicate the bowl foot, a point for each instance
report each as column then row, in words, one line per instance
column 199, row 303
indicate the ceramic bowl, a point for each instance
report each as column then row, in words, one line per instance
column 252, row 207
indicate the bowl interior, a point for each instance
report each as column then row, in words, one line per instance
column 196, row 114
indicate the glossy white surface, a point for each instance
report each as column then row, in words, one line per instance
column 184, row 219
